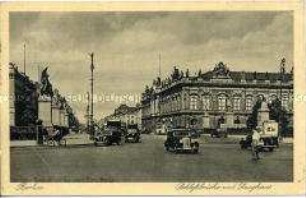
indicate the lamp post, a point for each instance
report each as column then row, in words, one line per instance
column 91, row 116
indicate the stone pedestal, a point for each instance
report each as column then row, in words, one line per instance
column 206, row 121
column 230, row 119
column 62, row 117
column 44, row 110
column 56, row 115
column 263, row 113
column 66, row 120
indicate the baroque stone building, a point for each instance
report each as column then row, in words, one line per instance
column 129, row 115
column 205, row 100
column 23, row 98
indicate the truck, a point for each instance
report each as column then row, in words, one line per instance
column 111, row 134
column 269, row 136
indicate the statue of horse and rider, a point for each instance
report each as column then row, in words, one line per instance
column 46, row 86
column 51, row 134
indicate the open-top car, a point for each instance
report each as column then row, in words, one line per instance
column 182, row 140
column 132, row 134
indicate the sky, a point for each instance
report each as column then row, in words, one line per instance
column 127, row 46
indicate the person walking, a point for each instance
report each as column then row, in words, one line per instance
column 255, row 143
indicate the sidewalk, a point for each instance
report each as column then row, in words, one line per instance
column 71, row 139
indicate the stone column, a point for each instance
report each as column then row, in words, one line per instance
column 263, row 113
column 230, row 119
column 229, row 114
column 66, row 119
column 206, row 121
column 62, row 117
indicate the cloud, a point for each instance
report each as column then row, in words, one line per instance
column 127, row 45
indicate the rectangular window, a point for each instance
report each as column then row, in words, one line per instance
column 285, row 102
column 206, row 103
column 249, row 104
column 237, row 104
column 222, row 103
column 193, row 103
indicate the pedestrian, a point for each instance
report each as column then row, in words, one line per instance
column 255, row 143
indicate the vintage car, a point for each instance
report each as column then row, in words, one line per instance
column 220, row 132
column 160, row 129
column 108, row 137
column 182, row 140
column 132, row 136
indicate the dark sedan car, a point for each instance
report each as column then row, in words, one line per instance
column 132, row 136
column 108, row 137
column 182, row 140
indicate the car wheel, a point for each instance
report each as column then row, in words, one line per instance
column 107, row 142
column 96, row 143
column 271, row 149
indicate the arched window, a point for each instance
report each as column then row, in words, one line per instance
column 249, row 103
column 194, row 102
column 206, row 102
column 237, row 103
column 222, row 102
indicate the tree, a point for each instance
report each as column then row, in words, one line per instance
column 252, row 119
column 279, row 114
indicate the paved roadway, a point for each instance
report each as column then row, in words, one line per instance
column 218, row 160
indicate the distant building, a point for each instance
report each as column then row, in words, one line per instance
column 206, row 100
column 126, row 114
column 23, row 98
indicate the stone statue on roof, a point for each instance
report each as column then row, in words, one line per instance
column 221, row 70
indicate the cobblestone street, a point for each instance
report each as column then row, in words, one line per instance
column 218, row 160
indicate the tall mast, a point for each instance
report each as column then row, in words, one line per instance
column 88, row 111
column 159, row 65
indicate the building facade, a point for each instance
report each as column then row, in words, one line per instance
column 26, row 104
column 203, row 101
column 126, row 114
column 23, row 98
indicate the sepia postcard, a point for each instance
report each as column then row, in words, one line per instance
column 153, row 98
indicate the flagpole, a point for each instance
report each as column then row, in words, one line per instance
column 24, row 59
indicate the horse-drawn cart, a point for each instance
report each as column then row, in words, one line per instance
column 54, row 135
